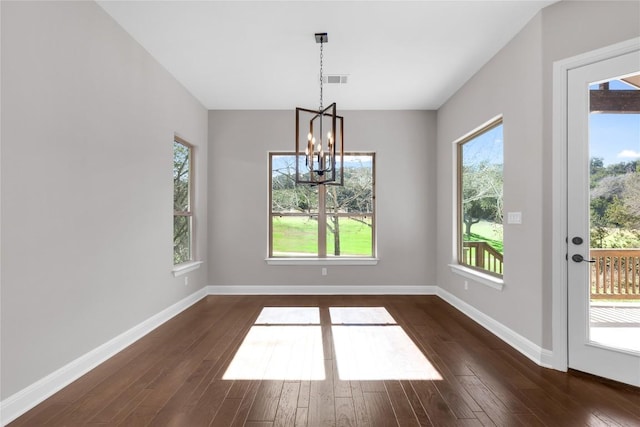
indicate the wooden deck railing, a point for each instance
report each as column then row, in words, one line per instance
column 615, row 274
column 481, row 254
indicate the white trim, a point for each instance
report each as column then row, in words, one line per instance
column 559, row 331
column 20, row 402
column 456, row 268
column 184, row 268
column 559, row 191
column 478, row 129
column 531, row 350
column 477, row 276
column 322, row 290
column 322, row 261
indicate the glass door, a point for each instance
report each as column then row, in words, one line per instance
column 604, row 218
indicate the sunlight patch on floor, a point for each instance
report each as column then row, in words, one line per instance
column 279, row 353
column 286, row 343
column 288, row 316
column 360, row 316
column 379, row 353
column 369, row 345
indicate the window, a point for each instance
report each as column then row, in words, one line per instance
column 182, row 201
column 480, row 185
column 325, row 220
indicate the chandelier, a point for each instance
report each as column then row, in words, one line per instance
column 319, row 139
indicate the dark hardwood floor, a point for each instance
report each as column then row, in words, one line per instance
column 174, row 376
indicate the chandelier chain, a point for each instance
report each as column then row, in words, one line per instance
column 321, row 57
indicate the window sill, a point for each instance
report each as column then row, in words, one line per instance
column 185, row 267
column 321, row 261
column 477, row 276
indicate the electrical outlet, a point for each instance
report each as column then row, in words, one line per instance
column 466, row 285
column 324, row 271
column 186, row 280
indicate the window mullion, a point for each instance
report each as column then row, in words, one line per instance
column 322, row 222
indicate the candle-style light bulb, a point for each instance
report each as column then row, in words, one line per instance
column 309, row 136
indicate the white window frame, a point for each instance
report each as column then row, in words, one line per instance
column 321, row 258
column 184, row 266
column 481, row 275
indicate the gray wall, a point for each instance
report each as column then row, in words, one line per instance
column 510, row 84
column 404, row 142
column 88, row 119
column 568, row 29
column 517, row 83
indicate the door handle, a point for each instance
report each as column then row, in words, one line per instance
column 580, row 258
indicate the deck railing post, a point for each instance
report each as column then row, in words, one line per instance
column 480, row 255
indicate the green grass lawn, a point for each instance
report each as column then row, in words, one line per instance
column 489, row 232
column 299, row 235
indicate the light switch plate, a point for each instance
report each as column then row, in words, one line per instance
column 514, row 217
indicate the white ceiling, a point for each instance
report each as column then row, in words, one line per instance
column 263, row 54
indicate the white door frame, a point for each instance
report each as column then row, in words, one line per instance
column 559, row 325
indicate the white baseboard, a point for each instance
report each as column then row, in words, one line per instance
column 534, row 352
column 322, row 290
column 20, row 402
column 531, row 350
column 548, row 360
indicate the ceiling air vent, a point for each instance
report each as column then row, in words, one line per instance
column 335, row 79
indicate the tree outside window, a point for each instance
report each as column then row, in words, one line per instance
column 182, row 201
column 480, row 199
column 324, row 220
column 615, row 204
